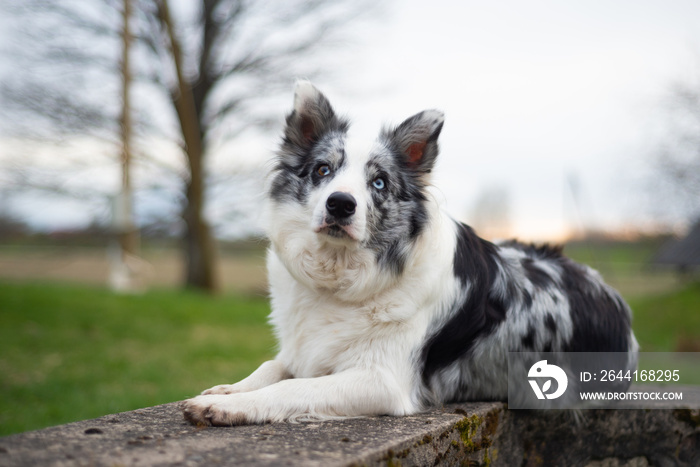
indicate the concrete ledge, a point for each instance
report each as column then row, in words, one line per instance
column 457, row 434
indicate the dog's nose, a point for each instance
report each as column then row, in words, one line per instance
column 341, row 205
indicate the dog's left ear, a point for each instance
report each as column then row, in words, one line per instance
column 416, row 139
column 312, row 117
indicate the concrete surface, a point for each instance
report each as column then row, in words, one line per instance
column 458, row 434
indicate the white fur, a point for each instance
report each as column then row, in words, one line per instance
column 347, row 334
column 304, row 92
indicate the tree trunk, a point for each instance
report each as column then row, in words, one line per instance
column 200, row 248
column 127, row 232
column 201, row 269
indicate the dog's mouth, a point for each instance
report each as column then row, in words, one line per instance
column 335, row 230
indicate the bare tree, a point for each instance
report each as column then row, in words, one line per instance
column 124, row 217
column 213, row 62
column 60, row 86
column 677, row 162
column 237, row 51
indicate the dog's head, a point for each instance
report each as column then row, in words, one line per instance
column 351, row 195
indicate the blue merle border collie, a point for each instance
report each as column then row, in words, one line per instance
column 381, row 303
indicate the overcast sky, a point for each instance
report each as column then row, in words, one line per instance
column 539, row 97
column 535, row 93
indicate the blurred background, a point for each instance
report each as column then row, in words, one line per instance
column 135, row 136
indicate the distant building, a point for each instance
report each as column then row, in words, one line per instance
column 683, row 254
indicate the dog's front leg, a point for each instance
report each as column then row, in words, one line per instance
column 347, row 394
column 268, row 373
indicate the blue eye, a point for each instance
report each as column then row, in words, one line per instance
column 323, row 170
column 378, row 183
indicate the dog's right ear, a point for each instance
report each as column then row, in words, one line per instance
column 311, row 118
column 416, row 139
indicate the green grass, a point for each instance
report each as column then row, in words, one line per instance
column 73, row 352
column 617, row 258
column 626, row 266
column 668, row 322
column 666, row 311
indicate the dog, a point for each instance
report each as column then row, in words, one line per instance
column 383, row 304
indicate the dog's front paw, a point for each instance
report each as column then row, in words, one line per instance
column 215, row 410
column 224, row 389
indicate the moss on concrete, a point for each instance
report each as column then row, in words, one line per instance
column 691, row 417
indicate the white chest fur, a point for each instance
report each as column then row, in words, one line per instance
column 322, row 330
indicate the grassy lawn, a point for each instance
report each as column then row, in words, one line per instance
column 625, row 266
column 71, row 352
column 668, row 322
column 74, row 352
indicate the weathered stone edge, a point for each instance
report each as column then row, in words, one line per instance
column 476, row 433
